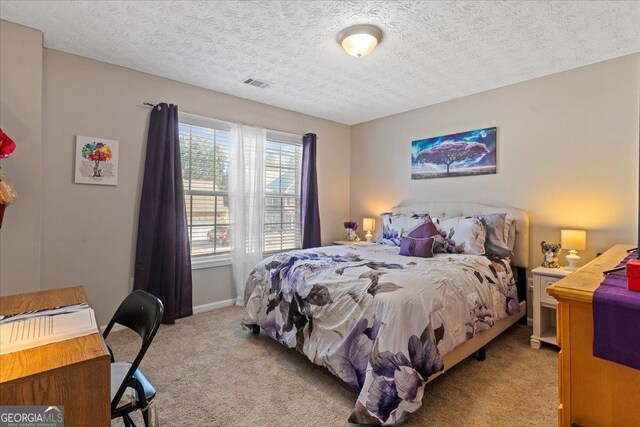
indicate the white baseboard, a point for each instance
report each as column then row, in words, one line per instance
column 196, row 309
column 213, row 305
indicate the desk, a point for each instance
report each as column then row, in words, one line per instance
column 74, row 373
column 593, row 391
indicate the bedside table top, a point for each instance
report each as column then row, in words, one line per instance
column 554, row 272
column 582, row 285
column 350, row 242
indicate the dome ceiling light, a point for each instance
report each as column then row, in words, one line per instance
column 360, row 40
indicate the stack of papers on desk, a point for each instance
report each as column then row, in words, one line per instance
column 28, row 330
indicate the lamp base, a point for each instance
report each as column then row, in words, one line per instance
column 573, row 259
column 369, row 236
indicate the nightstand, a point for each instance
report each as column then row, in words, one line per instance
column 544, row 305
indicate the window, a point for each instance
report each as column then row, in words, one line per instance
column 205, row 147
column 283, row 171
column 206, row 150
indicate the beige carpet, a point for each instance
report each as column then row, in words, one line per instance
column 210, row 372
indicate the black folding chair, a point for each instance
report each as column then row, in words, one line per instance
column 140, row 312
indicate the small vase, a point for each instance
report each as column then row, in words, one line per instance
column 350, row 234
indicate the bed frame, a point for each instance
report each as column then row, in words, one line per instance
column 519, row 262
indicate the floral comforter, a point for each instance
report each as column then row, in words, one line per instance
column 379, row 321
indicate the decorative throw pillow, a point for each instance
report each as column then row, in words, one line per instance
column 496, row 239
column 426, row 230
column 463, row 235
column 395, row 226
column 422, row 248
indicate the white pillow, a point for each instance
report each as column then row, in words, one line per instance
column 467, row 234
column 510, row 232
column 395, row 226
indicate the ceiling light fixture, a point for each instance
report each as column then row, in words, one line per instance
column 360, row 40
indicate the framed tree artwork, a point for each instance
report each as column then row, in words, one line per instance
column 458, row 154
column 96, row 161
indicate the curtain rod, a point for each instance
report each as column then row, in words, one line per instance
column 152, row 105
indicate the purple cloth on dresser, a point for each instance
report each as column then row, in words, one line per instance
column 616, row 320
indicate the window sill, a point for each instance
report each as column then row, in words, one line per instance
column 268, row 254
column 225, row 260
column 210, row 262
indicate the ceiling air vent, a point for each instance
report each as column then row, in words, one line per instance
column 257, row 83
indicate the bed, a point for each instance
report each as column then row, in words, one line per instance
column 388, row 324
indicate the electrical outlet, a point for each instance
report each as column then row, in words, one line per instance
column 530, row 284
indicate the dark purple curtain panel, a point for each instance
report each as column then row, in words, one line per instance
column 310, row 211
column 163, row 257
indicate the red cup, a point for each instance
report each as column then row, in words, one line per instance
column 633, row 275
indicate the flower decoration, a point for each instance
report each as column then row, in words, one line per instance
column 449, row 245
column 398, row 378
column 8, row 192
column 7, row 146
column 351, row 225
column 97, row 152
column 350, row 228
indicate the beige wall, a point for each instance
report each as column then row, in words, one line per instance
column 567, row 154
column 87, row 232
column 21, row 119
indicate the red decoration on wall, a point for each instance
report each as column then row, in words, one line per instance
column 7, row 146
column 8, row 193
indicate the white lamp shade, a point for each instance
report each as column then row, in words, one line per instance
column 359, row 44
column 360, row 40
column 368, row 224
column 573, row 239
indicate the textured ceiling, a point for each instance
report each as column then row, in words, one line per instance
column 431, row 51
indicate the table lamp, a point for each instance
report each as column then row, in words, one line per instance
column 573, row 240
column 368, row 225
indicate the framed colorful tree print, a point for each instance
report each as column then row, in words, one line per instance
column 96, row 161
column 458, row 154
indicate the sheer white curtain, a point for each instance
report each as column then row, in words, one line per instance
column 247, row 203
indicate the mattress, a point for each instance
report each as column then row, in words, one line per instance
column 379, row 321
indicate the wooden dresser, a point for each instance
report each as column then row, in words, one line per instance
column 75, row 373
column 593, row 392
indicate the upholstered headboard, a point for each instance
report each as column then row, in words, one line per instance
column 453, row 209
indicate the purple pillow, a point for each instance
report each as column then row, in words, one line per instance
column 420, row 247
column 426, row 230
column 423, row 231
